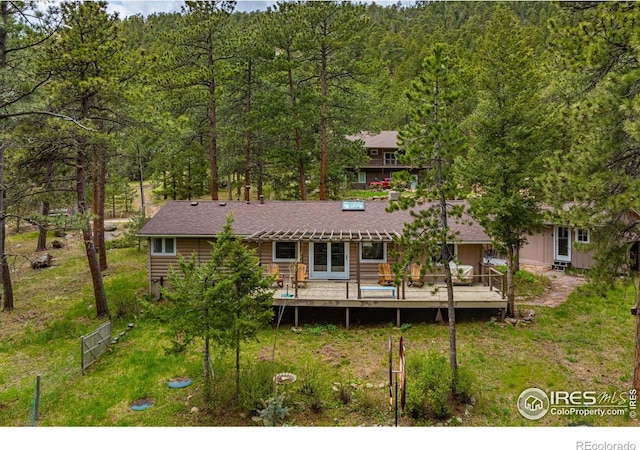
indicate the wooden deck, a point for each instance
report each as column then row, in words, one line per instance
column 344, row 294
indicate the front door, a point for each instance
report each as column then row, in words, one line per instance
column 562, row 244
column 329, row 260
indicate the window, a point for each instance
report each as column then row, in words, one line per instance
column 362, row 177
column 390, row 159
column 163, row 246
column 437, row 258
column 284, row 251
column 582, row 236
column 374, row 152
column 373, row 252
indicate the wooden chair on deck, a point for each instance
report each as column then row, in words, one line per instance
column 385, row 277
column 301, row 277
column 415, row 279
column 273, row 270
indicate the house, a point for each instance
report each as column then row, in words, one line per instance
column 336, row 240
column 558, row 246
column 382, row 150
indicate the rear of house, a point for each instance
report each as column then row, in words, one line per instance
column 335, row 240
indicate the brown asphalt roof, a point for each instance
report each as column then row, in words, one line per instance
column 207, row 218
column 384, row 139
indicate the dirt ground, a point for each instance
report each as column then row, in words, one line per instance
column 151, row 207
column 562, row 284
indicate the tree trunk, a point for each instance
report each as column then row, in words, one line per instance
column 510, row 286
column 323, row 126
column 42, row 230
column 213, row 141
column 451, row 309
column 102, row 309
column 447, row 257
column 296, row 129
column 206, row 359
column 237, row 364
column 141, row 180
column 98, row 201
column 7, row 287
column 247, row 149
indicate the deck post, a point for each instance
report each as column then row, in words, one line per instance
column 358, row 275
column 295, row 319
column 295, row 280
column 347, row 318
column 398, row 317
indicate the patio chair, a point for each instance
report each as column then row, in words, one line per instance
column 415, row 279
column 274, row 270
column 385, row 277
column 301, row 278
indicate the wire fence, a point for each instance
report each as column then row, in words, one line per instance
column 95, row 344
column 32, row 419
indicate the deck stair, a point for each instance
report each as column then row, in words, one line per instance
column 560, row 265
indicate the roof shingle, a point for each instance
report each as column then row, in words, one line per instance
column 207, row 218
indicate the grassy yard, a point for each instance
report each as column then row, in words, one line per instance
column 585, row 344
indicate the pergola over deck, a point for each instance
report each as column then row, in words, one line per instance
column 316, row 235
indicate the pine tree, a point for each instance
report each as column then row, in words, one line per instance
column 508, row 140
column 430, row 143
column 226, row 299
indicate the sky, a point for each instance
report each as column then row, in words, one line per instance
column 126, row 8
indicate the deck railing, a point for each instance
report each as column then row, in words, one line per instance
column 494, row 279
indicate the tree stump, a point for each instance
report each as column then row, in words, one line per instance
column 42, row 262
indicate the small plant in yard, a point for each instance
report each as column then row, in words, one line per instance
column 319, row 329
column 343, row 392
column 274, row 412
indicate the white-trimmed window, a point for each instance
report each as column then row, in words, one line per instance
column 362, row 177
column 284, row 251
column 390, row 159
column 582, row 236
column 163, row 246
column 374, row 152
column 373, row 252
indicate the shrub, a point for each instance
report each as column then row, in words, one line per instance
column 464, row 387
column 256, row 384
column 428, row 387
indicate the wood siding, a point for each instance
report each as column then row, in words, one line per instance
column 539, row 250
column 468, row 254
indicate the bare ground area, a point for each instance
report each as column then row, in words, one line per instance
column 151, row 205
column 562, row 285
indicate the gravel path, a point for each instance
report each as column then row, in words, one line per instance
column 562, row 285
